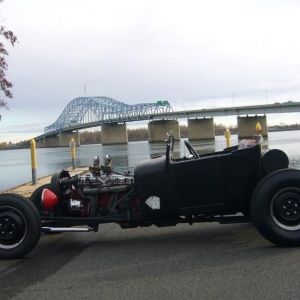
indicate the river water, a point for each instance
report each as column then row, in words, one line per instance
column 15, row 168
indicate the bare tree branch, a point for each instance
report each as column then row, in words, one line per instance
column 5, row 85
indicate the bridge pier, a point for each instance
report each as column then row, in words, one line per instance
column 246, row 126
column 114, row 134
column 61, row 140
column 157, row 130
column 201, row 129
column 50, row 141
column 66, row 136
column 39, row 143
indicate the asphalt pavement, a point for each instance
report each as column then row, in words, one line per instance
column 202, row 261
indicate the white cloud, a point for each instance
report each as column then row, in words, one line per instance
column 143, row 51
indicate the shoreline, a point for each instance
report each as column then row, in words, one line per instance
column 234, row 132
column 27, row 188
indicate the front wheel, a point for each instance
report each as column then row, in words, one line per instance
column 20, row 226
column 275, row 207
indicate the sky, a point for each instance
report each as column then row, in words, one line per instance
column 194, row 53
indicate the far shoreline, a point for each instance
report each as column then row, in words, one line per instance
column 233, row 132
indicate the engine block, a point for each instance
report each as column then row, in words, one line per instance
column 89, row 180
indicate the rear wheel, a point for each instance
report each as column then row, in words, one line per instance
column 20, row 226
column 275, row 207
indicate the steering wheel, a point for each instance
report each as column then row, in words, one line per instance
column 191, row 149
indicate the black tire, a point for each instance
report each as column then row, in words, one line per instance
column 275, row 207
column 36, row 197
column 20, row 226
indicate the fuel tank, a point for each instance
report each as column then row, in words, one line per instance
column 273, row 160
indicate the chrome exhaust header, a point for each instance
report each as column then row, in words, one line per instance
column 66, row 229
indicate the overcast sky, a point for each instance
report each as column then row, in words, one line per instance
column 192, row 53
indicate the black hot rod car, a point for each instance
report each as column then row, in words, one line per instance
column 239, row 184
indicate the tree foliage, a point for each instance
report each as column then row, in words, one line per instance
column 3, row 145
column 90, row 137
column 5, row 85
column 138, row 134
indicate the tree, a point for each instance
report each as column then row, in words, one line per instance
column 5, row 85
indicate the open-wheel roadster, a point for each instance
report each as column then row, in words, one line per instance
column 239, row 184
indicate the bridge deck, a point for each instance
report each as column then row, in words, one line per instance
column 168, row 114
column 276, row 108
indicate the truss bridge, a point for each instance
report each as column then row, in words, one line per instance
column 86, row 112
column 112, row 116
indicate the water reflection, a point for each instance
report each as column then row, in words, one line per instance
column 157, row 149
column 205, row 146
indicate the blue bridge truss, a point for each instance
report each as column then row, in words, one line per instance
column 85, row 112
